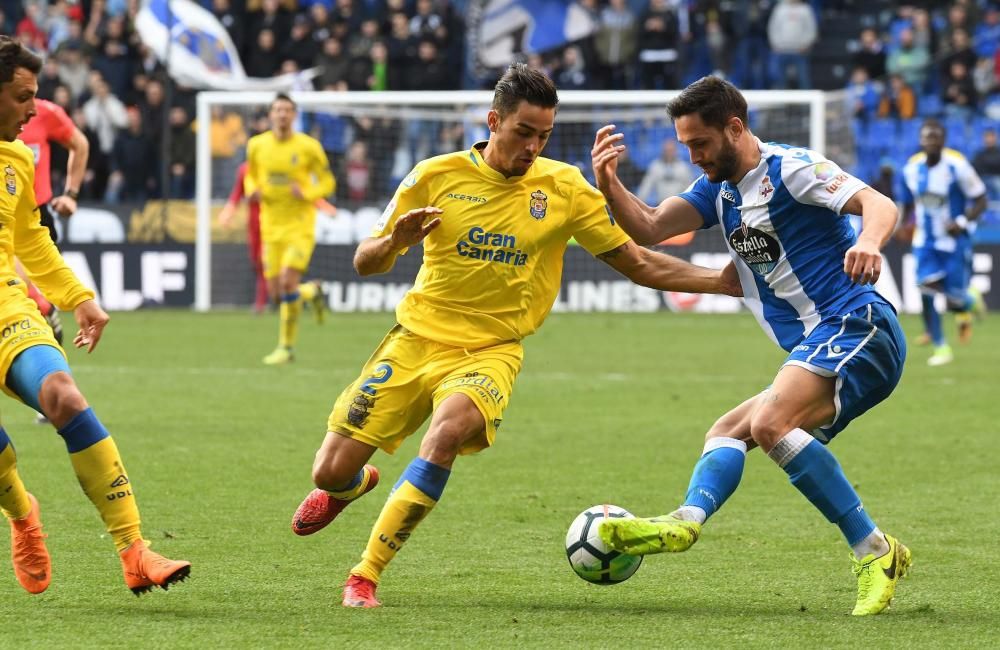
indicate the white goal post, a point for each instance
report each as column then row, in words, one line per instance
column 808, row 124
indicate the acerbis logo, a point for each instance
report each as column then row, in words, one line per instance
column 466, row 197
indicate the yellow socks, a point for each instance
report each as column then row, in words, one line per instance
column 354, row 491
column 417, row 491
column 13, row 497
column 103, row 478
column 288, row 331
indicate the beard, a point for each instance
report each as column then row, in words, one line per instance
column 726, row 165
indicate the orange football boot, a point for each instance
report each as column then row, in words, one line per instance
column 32, row 564
column 145, row 569
column 360, row 592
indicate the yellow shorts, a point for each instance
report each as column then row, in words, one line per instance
column 21, row 327
column 408, row 376
column 293, row 251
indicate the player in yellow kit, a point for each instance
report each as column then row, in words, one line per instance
column 34, row 367
column 494, row 222
column 287, row 172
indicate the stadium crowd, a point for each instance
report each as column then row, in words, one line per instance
column 899, row 63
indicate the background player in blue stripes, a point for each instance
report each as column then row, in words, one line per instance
column 807, row 278
column 946, row 197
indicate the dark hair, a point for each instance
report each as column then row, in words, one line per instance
column 715, row 100
column 13, row 55
column 932, row 123
column 522, row 83
column 282, row 97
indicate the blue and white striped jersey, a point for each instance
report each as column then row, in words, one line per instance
column 783, row 227
column 939, row 194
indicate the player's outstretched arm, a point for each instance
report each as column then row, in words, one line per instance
column 668, row 273
column 644, row 223
column 92, row 320
column 863, row 261
column 76, row 168
column 378, row 254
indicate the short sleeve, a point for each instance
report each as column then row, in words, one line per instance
column 972, row 186
column 702, row 194
column 594, row 226
column 813, row 180
column 412, row 193
column 58, row 124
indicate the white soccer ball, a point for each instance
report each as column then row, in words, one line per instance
column 589, row 557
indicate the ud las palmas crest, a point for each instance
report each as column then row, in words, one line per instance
column 11, row 178
column 539, row 204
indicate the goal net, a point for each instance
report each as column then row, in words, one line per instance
column 374, row 139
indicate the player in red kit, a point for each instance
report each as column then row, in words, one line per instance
column 253, row 233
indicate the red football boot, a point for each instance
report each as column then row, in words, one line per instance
column 360, row 592
column 319, row 508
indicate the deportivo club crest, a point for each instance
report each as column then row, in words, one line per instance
column 11, row 178
column 765, row 187
column 539, row 204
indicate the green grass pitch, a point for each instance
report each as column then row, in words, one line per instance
column 609, row 408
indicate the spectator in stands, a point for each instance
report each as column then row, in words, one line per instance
column 753, row 51
column 264, row 59
column 105, row 114
column 402, row 50
column 987, row 163
column 359, row 45
column 666, row 176
column 862, row 96
column 898, row 100
column 73, row 68
column 299, row 45
column 870, row 54
column 960, row 50
column 379, row 60
column 181, row 154
column 319, row 16
column 48, row 79
column 715, row 20
column 29, row 29
column 791, row 31
column 429, row 72
column 572, row 73
column 427, row 23
column 659, row 45
column 958, row 20
column 886, row 181
column 233, row 21
column 357, row 173
column 333, row 62
column 616, row 43
column 345, row 20
column 114, row 59
column 923, row 31
column 95, row 178
column 910, row 61
column 959, row 92
column 132, row 163
column 271, row 17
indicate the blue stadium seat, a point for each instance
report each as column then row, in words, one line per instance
column 929, row 106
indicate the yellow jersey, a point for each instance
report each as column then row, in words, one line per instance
column 272, row 167
column 492, row 270
column 22, row 234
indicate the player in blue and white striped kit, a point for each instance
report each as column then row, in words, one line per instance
column 946, row 197
column 807, row 278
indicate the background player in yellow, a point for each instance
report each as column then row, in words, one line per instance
column 494, row 222
column 34, row 367
column 287, row 172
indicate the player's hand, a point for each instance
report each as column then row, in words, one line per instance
column 957, row 226
column 296, row 191
column 92, row 320
column 863, row 262
column 604, row 156
column 64, row 205
column 410, row 228
column 226, row 215
column 730, row 278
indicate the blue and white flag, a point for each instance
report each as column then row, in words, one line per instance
column 201, row 53
column 499, row 30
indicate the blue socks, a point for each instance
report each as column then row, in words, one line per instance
column 932, row 319
column 716, row 475
column 426, row 477
column 83, row 431
column 815, row 472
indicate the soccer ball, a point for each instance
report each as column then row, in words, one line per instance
column 589, row 557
